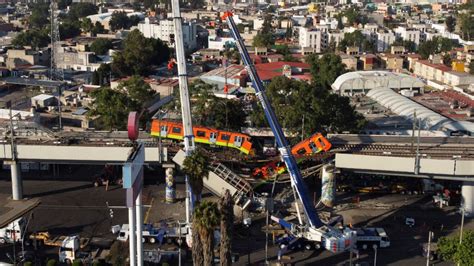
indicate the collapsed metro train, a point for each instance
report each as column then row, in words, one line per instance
column 315, row 144
column 211, row 136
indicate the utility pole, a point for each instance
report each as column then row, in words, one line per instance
column 428, row 255
column 462, row 224
column 375, row 256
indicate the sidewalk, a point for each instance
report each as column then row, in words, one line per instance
column 12, row 209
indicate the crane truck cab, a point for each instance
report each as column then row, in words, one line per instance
column 13, row 232
column 69, row 251
column 372, row 237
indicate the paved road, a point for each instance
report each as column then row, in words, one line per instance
column 74, row 206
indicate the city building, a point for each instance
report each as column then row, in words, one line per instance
column 408, row 34
column 164, row 30
column 310, row 38
column 384, row 40
column 27, row 57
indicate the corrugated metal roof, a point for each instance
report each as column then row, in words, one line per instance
column 404, row 106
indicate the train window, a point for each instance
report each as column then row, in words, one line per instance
column 225, row 137
column 313, row 146
column 301, row 151
column 176, row 130
column 201, row 134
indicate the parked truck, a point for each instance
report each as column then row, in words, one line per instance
column 13, row 232
column 372, row 237
column 70, row 251
column 155, row 234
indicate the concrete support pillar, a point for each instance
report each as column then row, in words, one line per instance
column 467, row 193
column 17, row 182
column 139, row 210
column 170, row 186
column 328, row 187
column 131, row 236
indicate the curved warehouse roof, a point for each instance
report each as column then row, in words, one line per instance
column 404, row 106
column 367, row 80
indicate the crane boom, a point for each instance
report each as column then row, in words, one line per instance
column 184, row 95
column 283, row 146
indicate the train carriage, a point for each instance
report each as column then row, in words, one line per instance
column 205, row 135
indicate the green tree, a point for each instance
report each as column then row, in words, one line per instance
column 138, row 91
column 80, row 10
column 139, row 55
column 450, row 23
column 95, row 78
column 323, row 111
column 69, row 29
column 263, row 40
column 98, row 28
column 104, row 73
column 206, row 218
column 101, row 46
column 352, row 15
column 466, row 23
column 326, row 69
column 355, row 38
column 196, row 167
column 39, row 16
column 409, row 45
column 86, row 25
column 119, row 21
column 33, row 37
column 226, row 206
column 450, row 249
column 111, row 106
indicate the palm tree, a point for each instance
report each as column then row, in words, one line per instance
column 205, row 219
column 226, row 206
column 196, row 167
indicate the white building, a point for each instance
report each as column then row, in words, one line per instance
column 310, row 38
column 335, row 36
column 384, row 40
column 215, row 42
column 408, row 34
column 164, row 30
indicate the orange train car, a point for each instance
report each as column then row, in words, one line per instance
column 211, row 136
column 312, row 145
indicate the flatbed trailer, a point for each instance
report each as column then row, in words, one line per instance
column 46, row 239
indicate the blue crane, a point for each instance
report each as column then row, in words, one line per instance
column 333, row 239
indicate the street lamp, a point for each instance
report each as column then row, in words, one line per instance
column 247, row 222
column 375, row 256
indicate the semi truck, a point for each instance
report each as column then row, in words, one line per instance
column 13, row 232
column 372, row 237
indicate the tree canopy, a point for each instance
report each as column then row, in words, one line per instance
column 35, row 38
column 211, row 111
column 410, row 46
column 434, row 46
column 81, row 10
column 322, row 111
column 326, row 69
column 450, row 249
column 113, row 105
column 265, row 37
column 357, row 39
column 139, row 54
column 101, row 46
column 120, row 21
column 39, row 17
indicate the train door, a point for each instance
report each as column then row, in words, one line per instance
column 164, row 130
column 238, row 141
column 213, row 137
